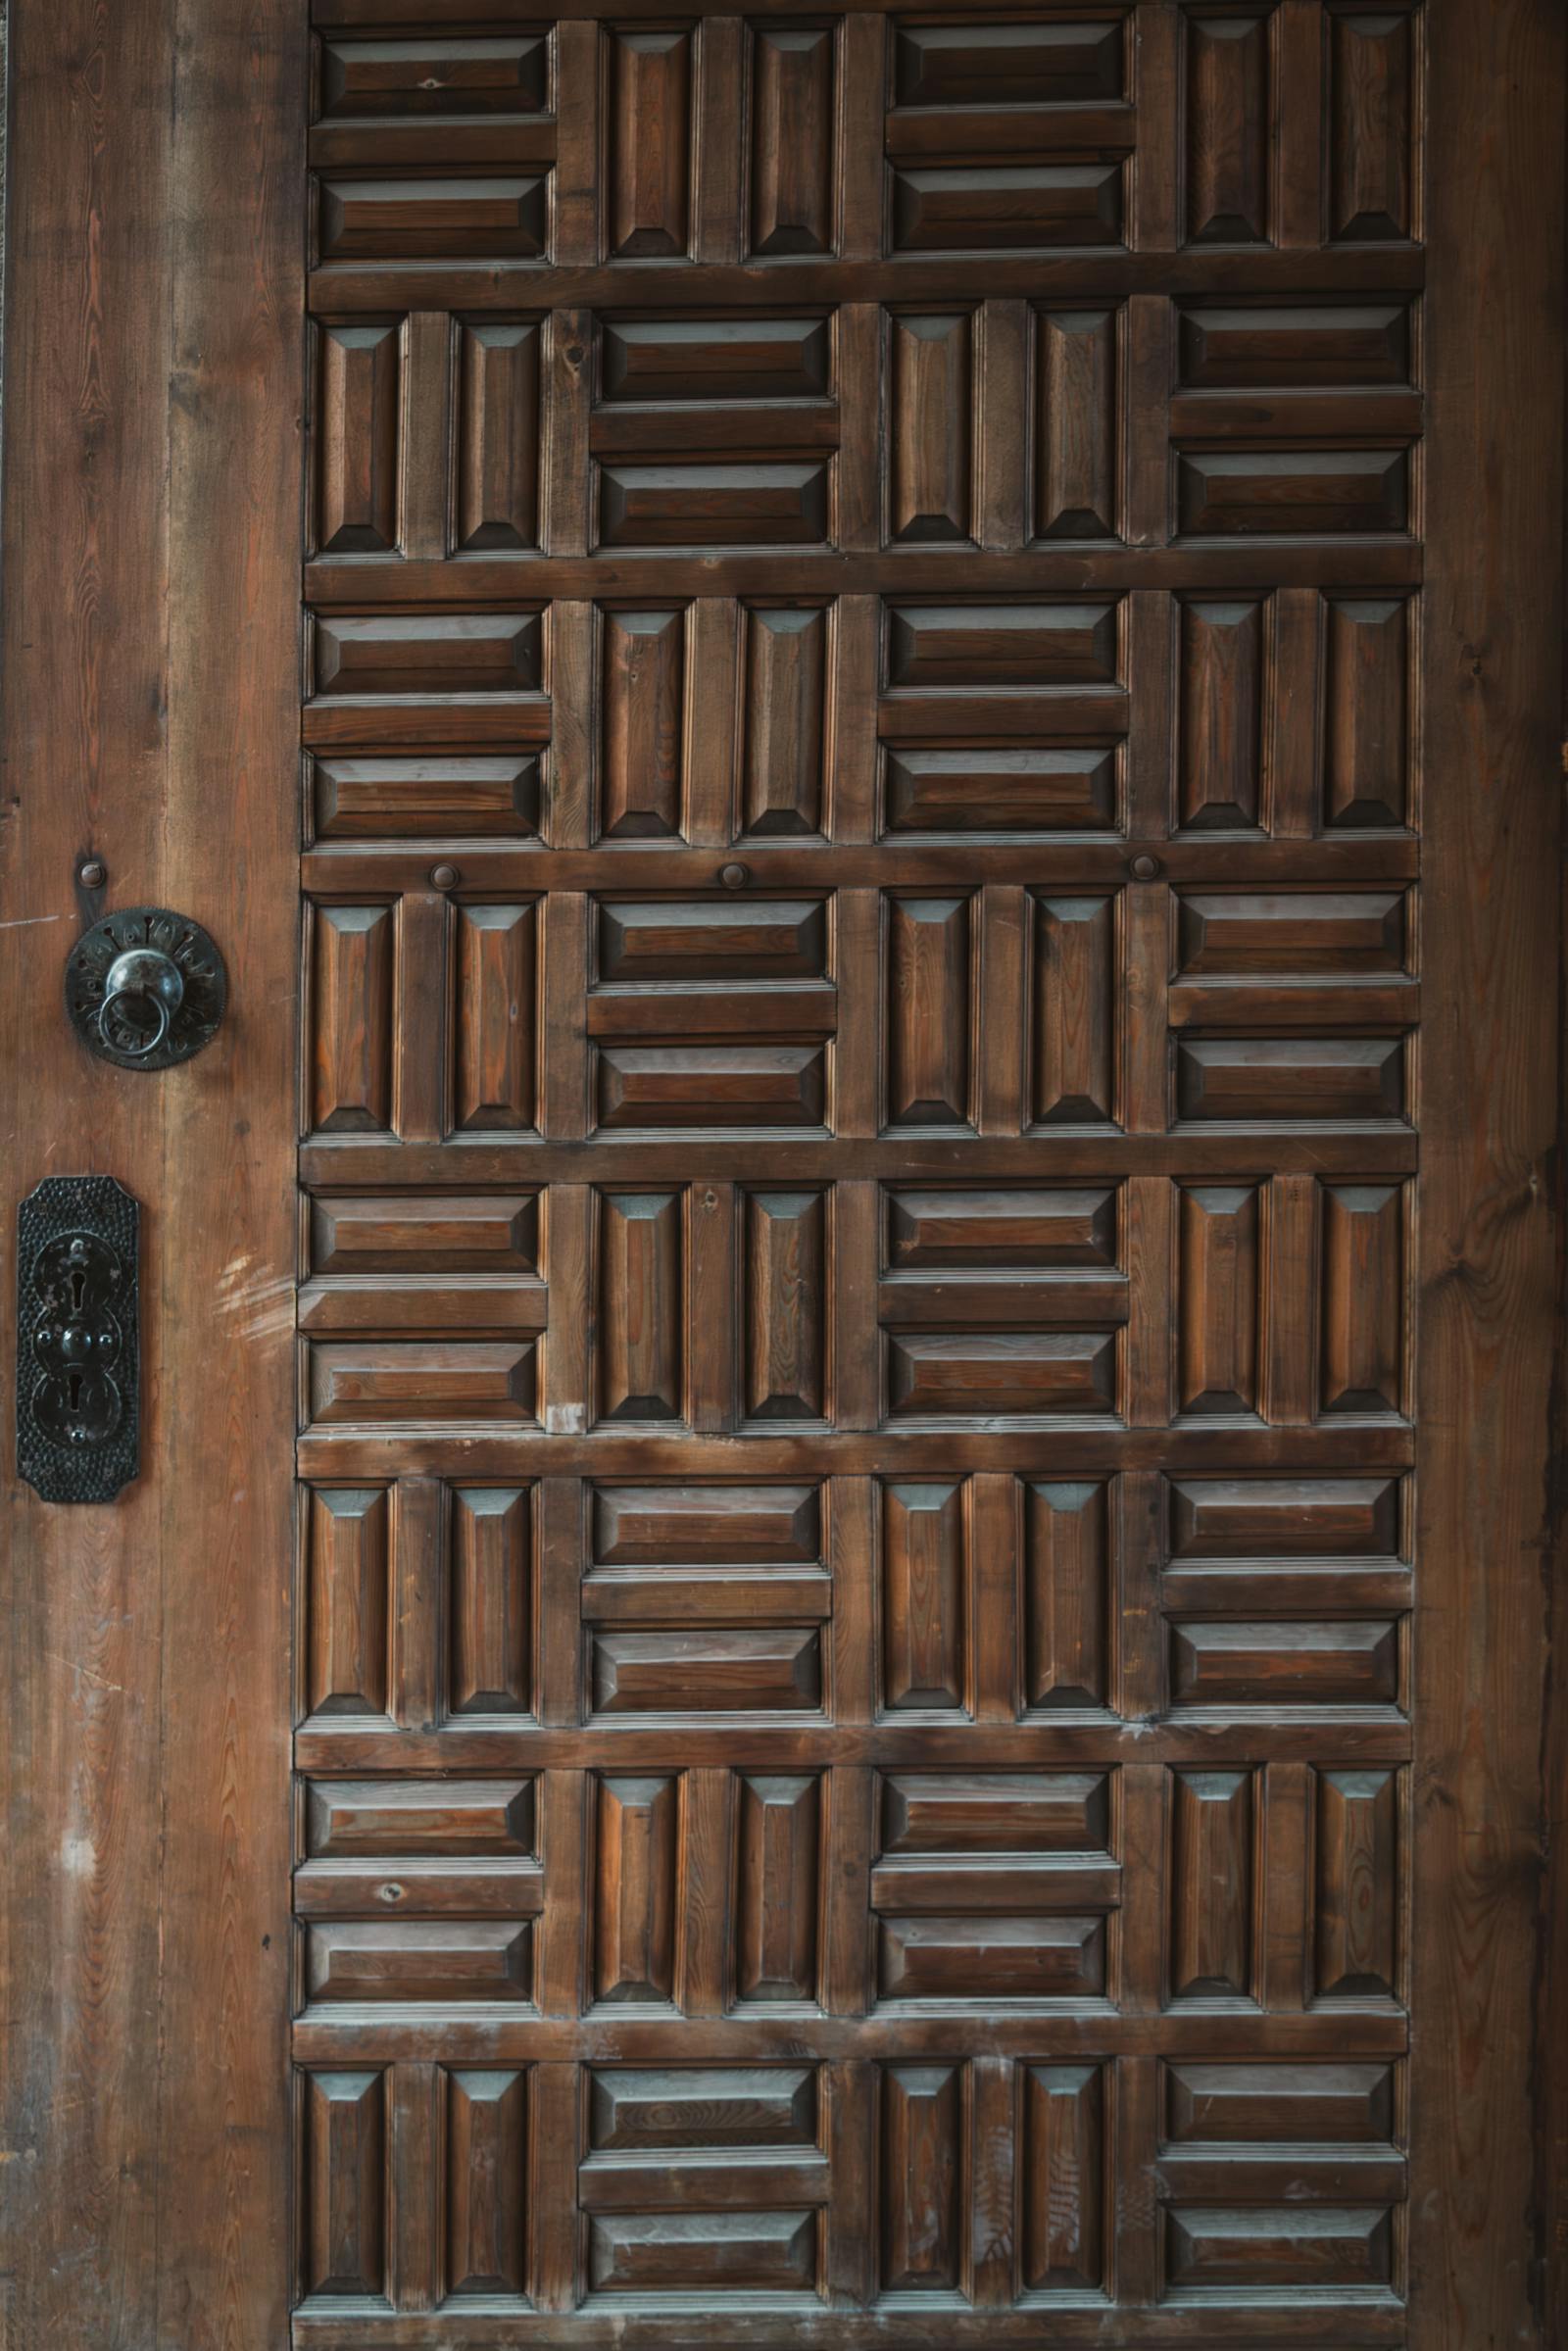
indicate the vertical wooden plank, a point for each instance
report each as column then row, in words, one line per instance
column 858, row 467
column 567, row 1062
column 849, row 1847
column 720, row 116
column 1292, row 1258
column 993, row 2196
column 713, row 715
column 851, row 2143
column 1001, row 374
column 568, row 471
column 576, row 176
column 713, row 1305
column 569, row 1252
column 574, row 650
column 1286, row 1891
column 996, row 1642
column 555, row 2133
column 1297, row 82
column 1151, row 688
column 1146, row 966
column 857, row 1048
column 705, row 1891
column 852, row 726
column 857, row 1339
column 1137, row 2141
column 1004, row 937
column 862, row 136
column 1149, row 1217
column 562, row 1503
column 1140, row 1832
column 1139, row 1505
column 426, row 487
column 852, row 1536
column 417, row 2129
column 1149, row 374
column 423, row 1035
column 563, row 1798
column 1157, row 29
column 1294, row 753
column 419, row 1546
column 1493, row 815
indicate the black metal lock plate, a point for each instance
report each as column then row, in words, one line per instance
column 145, row 988
column 78, row 1338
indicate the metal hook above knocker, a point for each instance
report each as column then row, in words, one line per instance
column 145, row 988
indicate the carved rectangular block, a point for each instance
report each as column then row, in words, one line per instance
column 920, row 2132
column 365, row 1383
column 1333, row 1079
column 778, row 1891
column 1025, row 207
column 1227, row 144
column 742, row 357
column 356, row 440
column 645, row 2110
column 947, row 645
column 959, row 1958
column 754, row 501
column 1219, row 1299
column 1066, row 1595
column 352, row 969
column 718, row 1670
column 996, row 790
column 418, row 654
column 962, row 1226
column 490, row 1627
column 646, row 179
column 487, row 2173
column 792, row 122
column 435, row 74
column 344, row 2184
column 1229, row 2104
column 929, row 957
column 439, row 1233
column 346, row 1601
column 1276, row 1665
column 356, row 1820
column 497, row 460
column 1076, row 371
column 503, row 215
column 370, row 798
column 636, row 1859
column 1357, row 1901
column 639, row 1340
column 1075, row 1011
column 768, row 1085
column 1276, row 2247
column 1284, row 1518
column 1367, row 711
column 955, row 1374
column 1240, row 346
column 994, row 1812
column 1008, row 63
column 784, row 718
column 930, row 488
column 1371, row 116
column 441, row 1960
column 696, row 1525
column 1363, row 1311
column 717, row 940
column 925, row 1597
column 1211, row 1868
column 1234, row 492
column 702, row 2253
column 1061, row 2161
column 784, row 1303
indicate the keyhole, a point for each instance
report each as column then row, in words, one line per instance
column 75, row 1391
column 79, row 1288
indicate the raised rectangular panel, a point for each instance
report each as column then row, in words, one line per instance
column 949, row 645
column 928, row 1011
column 506, row 74
column 1227, row 125
column 440, row 1233
column 925, row 1598
column 919, row 2174
column 428, row 652
column 361, row 1380
column 346, row 1567
column 1362, row 1346
column 490, row 1628
column 1062, row 2162
column 1227, row 346
column 1066, row 1595
column 500, row 216
column 364, row 800
column 351, row 1019
column 1002, row 1374
column 1270, row 2248
column 642, row 692
column 707, row 1526
column 1367, row 739
column 717, row 1670
column 1332, row 932
column 1284, row 1518
column 1228, row 492
column 495, row 1013
column 637, row 1836
column 777, row 1893
column 739, row 502
column 1012, row 64
column 1336, row 1078
column 642, row 2109
column 979, row 208
column 638, row 1337
column 792, row 139
column 999, row 790
column 784, row 718
column 994, row 1812
column 360, row 1820
column 694, row 360
column 990, row 1958
column 648, row 170
column 1017, row 1227
column 1074, row 1029
column 1219, row 1297
column 487, row 2168
column 784, row 1287
column 356, row 440
column 703, row 2252
column 1370, row 125
column 1076, row 445
column 343, row 2203
column 1355, row 1891
column 765, row 1085
column 1211, row 1885
column 930, row 486
column 1331, row 1664
column 720, row 939
column 498, row 434
column 1220, row 743
column 1226, row 2104
column 419, row 1959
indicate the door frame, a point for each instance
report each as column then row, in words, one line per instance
column 153, row 446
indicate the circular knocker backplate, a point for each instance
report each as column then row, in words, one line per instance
column 121, row 1008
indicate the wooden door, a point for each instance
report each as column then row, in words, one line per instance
column 919, row 797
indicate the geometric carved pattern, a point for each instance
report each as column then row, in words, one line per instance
column 862, row 951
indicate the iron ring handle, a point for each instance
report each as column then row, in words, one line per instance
column 133, row 996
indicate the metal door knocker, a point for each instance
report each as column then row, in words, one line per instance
column 145, row 989
column 79, row 1340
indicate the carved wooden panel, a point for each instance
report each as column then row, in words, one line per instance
column 862, row 968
